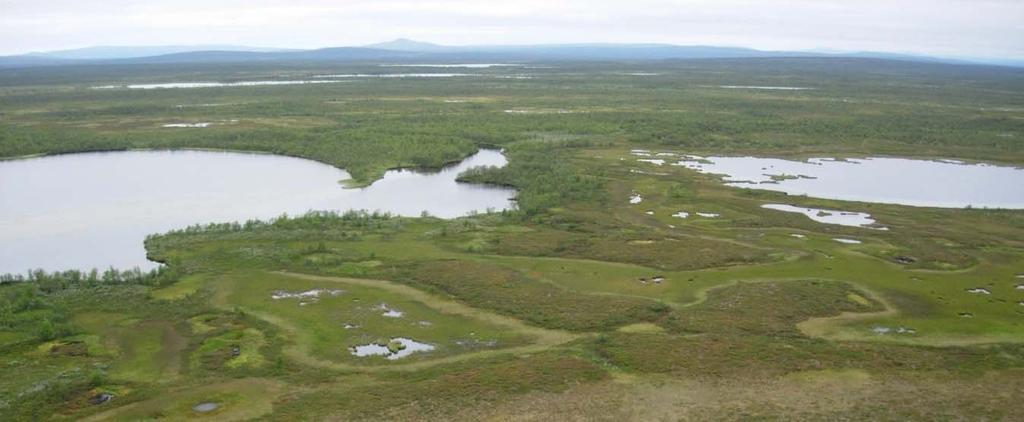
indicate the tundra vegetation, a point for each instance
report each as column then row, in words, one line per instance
column 578, row 304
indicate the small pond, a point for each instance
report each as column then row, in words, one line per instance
column 397, row 349
column 81, row 211
column 925, row 183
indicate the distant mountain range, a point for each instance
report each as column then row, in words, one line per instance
column 402, row 50
column 127, row 52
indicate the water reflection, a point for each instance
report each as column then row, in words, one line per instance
column 94, row 210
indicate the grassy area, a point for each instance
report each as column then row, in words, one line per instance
column 577, row 305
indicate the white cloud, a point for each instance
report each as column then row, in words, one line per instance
column 982, row 28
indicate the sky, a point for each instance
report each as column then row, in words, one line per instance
column 949, row 28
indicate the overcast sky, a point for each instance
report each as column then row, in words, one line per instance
column 961, row 28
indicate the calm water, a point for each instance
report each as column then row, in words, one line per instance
column 944, row 184
column 94, row 209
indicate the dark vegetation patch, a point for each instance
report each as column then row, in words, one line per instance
column 714, row 355
column 669, row 253
column 512, row 293
column 444, row 390
column 749, row 330
column 766, row 308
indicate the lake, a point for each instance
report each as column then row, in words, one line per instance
column 924, row 183
column 80, row 211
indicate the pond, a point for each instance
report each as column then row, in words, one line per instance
column 925, row 183
column 93, row 210
column 398, row 348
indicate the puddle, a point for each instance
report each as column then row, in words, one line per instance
column 681, row 214
column 842, row 218
column 388, row 312
column 100, row 398
column 879, row 180
column 306, row 297
column 1020, row 287
column 398, row 348
column 188, row 85
column 205, row 407
column 708, row 215
column 540, row 111
column 350, row 326
column 979, row 291
column 187, row 125
column 655, row 161
column 767, row 88
column 887, row 330
column 649, row 212
column 653, row 280
column 204, row 105
column 798, row 236
column 847, row 241
column 966, row 315
column 905, row 260
column 636, row 199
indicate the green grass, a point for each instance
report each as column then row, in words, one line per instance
column 319, row 327
column 180, row 289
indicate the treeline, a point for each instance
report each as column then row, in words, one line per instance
column 50, row 282
column 312, row 220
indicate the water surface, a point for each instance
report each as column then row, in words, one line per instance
column 81, row 211
column 926, row 183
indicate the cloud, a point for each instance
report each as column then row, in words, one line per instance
column 979, row 28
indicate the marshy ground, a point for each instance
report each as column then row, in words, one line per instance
column 579, row 305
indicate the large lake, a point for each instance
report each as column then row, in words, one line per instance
column 81, row 211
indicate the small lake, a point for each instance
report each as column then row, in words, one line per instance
column 80, row 211
column 924, row 183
